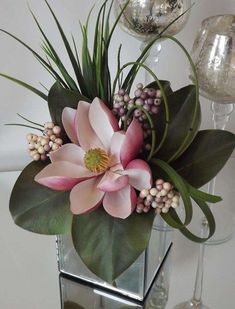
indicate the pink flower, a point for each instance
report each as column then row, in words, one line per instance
column 100, row 166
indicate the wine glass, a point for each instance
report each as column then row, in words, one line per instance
column 145, row 19
column 214, row 56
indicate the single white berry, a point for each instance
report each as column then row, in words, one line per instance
column 48, row 125
column 154, row 204
column 153, row 191
column 41, row 150
column 59, row 141
column 56, row 130
column 144, row 193
column 165, row 210
column 175, row 199
column 36, row 157
column 55, row 147
column 167, row 186
column 163, row 192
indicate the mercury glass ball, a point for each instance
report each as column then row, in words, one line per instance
column 144, row 19
column 213, row 53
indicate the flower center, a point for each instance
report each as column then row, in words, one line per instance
column 96, row 160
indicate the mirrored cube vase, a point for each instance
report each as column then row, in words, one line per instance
column 135, row 281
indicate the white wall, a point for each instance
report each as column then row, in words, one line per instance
column 16, row 61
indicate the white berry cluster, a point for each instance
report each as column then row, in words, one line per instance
column 161, row 198
column 40, row 146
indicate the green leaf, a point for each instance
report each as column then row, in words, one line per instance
column 27, row 86
column 173, row 220
column 59, row 98
column 37, row 208
column 108, row 245
column 166, row 85
column 182, row 127
column 205, row 157
column 203, row 196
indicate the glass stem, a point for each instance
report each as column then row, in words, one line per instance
column 151, row 60
column 197, row 295
column 220, row 115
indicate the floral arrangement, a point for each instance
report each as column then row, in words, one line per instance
column 109, row 161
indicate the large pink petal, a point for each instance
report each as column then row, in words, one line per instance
column 121, row 203
column 133, row 142
column 68, row 120
column 102, row 121
column 115, row 147
column 139, row 173
column 112, row 182
column 69, row 152
column 86, row 135
column 85, row 196
column 62, row 175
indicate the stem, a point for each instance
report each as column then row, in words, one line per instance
column 220, row 115
column 197, row 295
column 23, row 125
column 37, row 124
column 151, row 59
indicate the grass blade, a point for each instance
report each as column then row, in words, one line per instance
column 25, row 85
column 38, row 57
column 74, row 63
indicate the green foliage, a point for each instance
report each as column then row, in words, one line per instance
column 37, row 208
column 25, row 85
column 182, row 128
column 187, row 192
column 59, row 98
column 205, row 157
column 114, row 244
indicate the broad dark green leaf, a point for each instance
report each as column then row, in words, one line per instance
column 107, row 245
column 59, row 98
column 182, row 128
column 206, row 156
column 37, row 208
column 166, row 85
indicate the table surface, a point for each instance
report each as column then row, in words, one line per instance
column 29, row 275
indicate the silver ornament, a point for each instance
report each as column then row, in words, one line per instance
column 144, row 19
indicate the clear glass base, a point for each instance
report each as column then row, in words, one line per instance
column 190, row 305
column 225, row 226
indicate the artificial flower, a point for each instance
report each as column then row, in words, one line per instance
column 100, row 165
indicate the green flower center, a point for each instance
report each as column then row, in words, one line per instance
column 96, row 160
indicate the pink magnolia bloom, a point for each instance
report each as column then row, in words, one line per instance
column 100, row 166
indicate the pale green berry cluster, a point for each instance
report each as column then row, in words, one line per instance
column 160, row 198
column 40, row 146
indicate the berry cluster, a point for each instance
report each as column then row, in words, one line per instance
column 161, row 198
column 147, row 98
column 40, row 146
